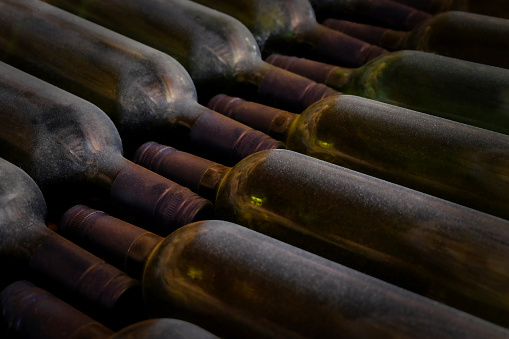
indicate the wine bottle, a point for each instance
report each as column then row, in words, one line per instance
column 384, row 13
column 32, row 312
column 73, row 152
column 241, row 283
column 420, row 151
column 290, row 27
column 146, row 92
column 497, row 8
column 219, row 53
column 422, row 243
column 462, row 35
column 454, row 89
column 29, row 249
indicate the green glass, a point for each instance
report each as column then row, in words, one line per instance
column 32, row 312
column 384, row 13
column 468, row 36
column 431, row 246
column 498, row 8
column 243, row 284
column 74, row 153
column 454, row 89
column 219, row 53
column 453, row 161
column 290, row 27
column 147, row 94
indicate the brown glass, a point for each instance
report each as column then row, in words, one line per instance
column 450, row 88
column 30, row 249
column 450, row 160
column 468, row 36
column 425, row 244
column 240, row 283
column 32, row 312
column 290, row 27
column 220, row 54
column 74, row 153
column 384, row 13
column 498, row 8
column 147, row 94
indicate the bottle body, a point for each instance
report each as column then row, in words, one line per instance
column 374, row 226
column 449, row 88
column 221, row 272
column 218, row 51
column 290, row 27
column 462, row 35
column 497, row 8
column 147, row 94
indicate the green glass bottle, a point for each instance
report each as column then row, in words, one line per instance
column 453, row 161
column 29, row 249
column 384, row 13
column 219, row 53
column 147, row 94
column 74, row 153
column 431, row 246
column 290, row 27
column 454, row 89
column 241, row 284
column 468, row 36
column 32, row 312
column 498, row 8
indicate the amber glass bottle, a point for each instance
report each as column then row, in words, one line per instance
column 417, row 241
column 498, row 8
column 30, row 249
column 32, row 312
column 468, row 36
column 240, row 283
column 454, row 89
column 453, row 161
column 220, row 54
column 73, row 152
column 147, row 94
column 384, row 13
column 289, row 26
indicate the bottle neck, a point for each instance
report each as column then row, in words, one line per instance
column 333, row 76
column 118, row 242
column 289, row 91
column 225, row 139
column 273, row 121
column 106, row 289
column 32, row 312
column 161, row 204
column 383, row 37
column 336, row 48
column 199, row 175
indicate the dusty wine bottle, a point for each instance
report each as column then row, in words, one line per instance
column 425, row 244
column 148, row 95
column 283, row 26
column 219, row 53
column 454, row 89
column 240, row 283
column 453, row 161
column 384, row 13
column 32, row 312
column 461, row 35
column 30, row 249
column 73, row 152
column 498, row 8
